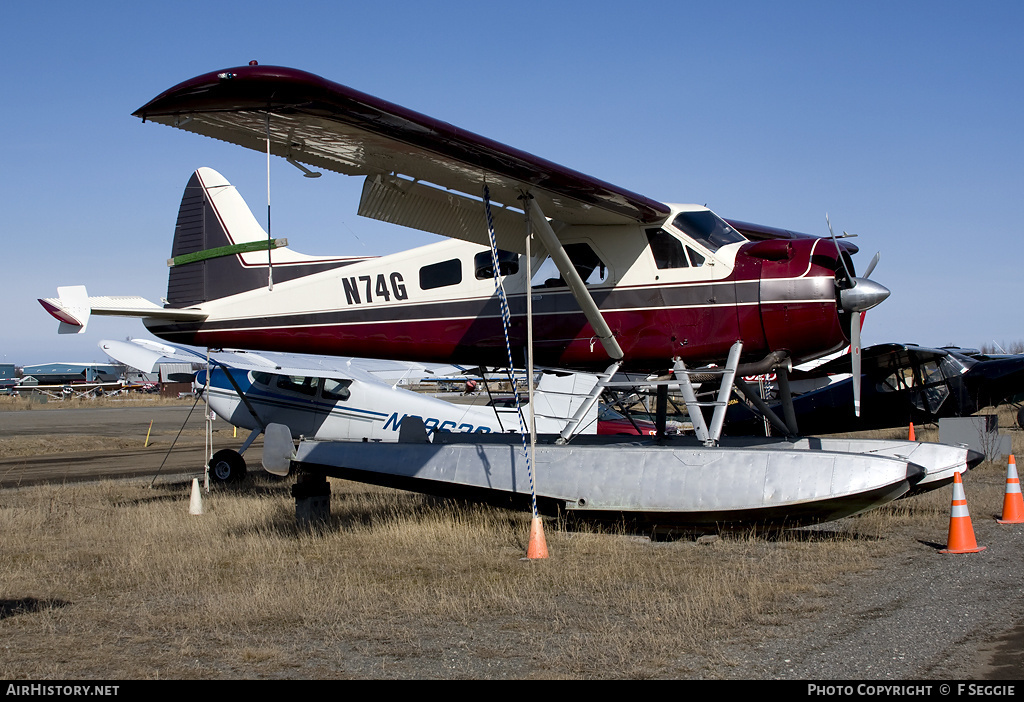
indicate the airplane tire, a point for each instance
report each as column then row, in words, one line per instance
column 1020, row 418
column 227, row 466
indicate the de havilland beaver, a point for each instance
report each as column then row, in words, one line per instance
column 609, row 280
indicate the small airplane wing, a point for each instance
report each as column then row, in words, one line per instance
column 73, row 306
column 145, row 355
column 880, row 358
column 311, row 120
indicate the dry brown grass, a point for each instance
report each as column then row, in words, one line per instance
column 115, row 580
column 396, row 585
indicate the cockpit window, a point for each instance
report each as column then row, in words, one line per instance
column 262, row 378
column 707, row 228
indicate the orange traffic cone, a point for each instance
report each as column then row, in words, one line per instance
column 961, row 533
column 538, row 547
column 910, row 436
column 1013, row 502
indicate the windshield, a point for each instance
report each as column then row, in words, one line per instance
column 707, row 228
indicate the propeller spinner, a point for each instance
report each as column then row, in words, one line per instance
column 857, row 296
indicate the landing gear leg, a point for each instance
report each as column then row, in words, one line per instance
column 661, row 411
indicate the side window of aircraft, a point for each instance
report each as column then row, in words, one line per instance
column 439, row 275
column 899, row 380
column 935, row 390
column 587, row 263
column 337, row 390
column 667, row 250
column 930, row 373
column 953, row 367
column 508, row 264
column 695, row 258
column 707, row 228
column 298, row 383
column 265, row 379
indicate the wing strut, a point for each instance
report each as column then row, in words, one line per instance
column 569, row 274
column 270, row 262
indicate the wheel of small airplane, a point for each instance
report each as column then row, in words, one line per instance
column 227, row 466
column 1020, row 418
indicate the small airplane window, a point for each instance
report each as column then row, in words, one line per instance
column 337, row 390
column 508, row 264
column 930, row 373
column 890, row 384
column 262, row 378
column 298, row 383
column 697, row 259
column 439, row 275
column 588, row 265
column 707, row 228
column 667, row 251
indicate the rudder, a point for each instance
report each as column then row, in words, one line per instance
column 220, row 249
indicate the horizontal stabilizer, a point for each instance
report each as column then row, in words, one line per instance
column 72, row 308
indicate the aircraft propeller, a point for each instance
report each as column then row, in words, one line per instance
column 857, row 296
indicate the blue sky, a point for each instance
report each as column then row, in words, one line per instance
column 902, row 121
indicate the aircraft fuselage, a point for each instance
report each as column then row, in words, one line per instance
column 437, row 303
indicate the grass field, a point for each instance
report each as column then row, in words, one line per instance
column 116, row 580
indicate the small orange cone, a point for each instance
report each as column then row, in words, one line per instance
column 961, row 533
column 1013, row 502
column 538, row 547
column 910, row 436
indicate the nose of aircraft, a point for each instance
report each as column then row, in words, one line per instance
column 863, row 295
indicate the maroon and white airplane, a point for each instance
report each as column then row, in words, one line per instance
column 615, row 277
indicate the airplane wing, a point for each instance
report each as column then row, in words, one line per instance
column 311, row 120
column 145, row 355
column 880, row 358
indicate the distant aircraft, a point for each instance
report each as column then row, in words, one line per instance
column 900, row 383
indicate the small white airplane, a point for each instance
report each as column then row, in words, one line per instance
column 347, row 399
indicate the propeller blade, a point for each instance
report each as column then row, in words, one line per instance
column 874, row 262
column 839, row 253
column 855, row 363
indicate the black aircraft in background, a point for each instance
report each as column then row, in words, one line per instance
column 900, row 384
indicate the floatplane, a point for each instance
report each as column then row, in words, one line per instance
column 544, row 265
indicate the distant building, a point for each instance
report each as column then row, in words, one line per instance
column 175, row 378
column 73, row 373
column 8, row 377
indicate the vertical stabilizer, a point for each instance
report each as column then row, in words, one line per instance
column 220, row 249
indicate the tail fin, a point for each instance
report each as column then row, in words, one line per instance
column 220, row 249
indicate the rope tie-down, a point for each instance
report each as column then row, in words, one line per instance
column 537, row 546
